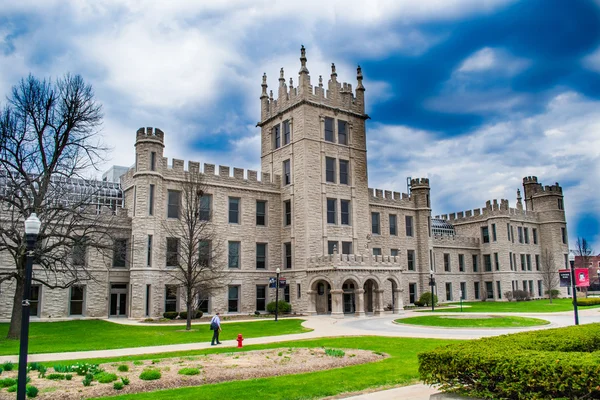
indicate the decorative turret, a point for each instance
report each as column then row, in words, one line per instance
column 519, row 200
column 304, row 81
column 542, row 198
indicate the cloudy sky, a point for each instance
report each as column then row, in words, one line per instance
column 474, row 94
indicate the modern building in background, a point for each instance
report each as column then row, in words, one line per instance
column 343, row 247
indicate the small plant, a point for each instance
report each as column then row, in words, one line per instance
column 284, row 307
column 83, row 369
column 257, row 313
column 170, row 314
column 87, row 381
column 69, row 377
column 105, row 377
column 188, row 371
column 12, row 389
column 138, row 362
column 31, row 391
column 63, row 368
column 118, row 385
column 125, row 380
column 335, row 352
column 123, row 368
column 7, row 382
column 89, row 376
column 42, row 371
column 55, row 377
column 8, row 366
column 34, row 366
column 425, row 299
column 280, row 353
column 155, row 361
column 1, row 370
column 150, row 374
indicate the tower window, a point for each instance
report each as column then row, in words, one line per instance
column 287, row 205
column 330, row 169
column 234, row 210
column 276, row 137
column 329, row 130
column 287, row 176
column 343, row 172
column 409, row 225
column 485, row 234
column 345, row 211
column 152, row 161
column 342, row 132
column 375, row 223
column 286, row 132
column 331, row 211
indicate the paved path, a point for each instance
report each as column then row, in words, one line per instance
column 325, row 326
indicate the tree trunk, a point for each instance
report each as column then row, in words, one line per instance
column 14, row 330
column 189, row 303
column 550, row 295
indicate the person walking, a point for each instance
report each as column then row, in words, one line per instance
column 215, row 326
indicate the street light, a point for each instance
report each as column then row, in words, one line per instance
column 573, row 287
column 432, row 284
column 32, row 229
column 278, row 271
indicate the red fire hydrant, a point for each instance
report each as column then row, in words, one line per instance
column 240, row 339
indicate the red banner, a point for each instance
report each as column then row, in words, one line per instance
column 582, row 277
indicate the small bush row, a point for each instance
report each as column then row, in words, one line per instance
column 552, row 363
column 335, row 352
column 590, row 301
column 150, row 374
column 182, row 315
column 282, row 307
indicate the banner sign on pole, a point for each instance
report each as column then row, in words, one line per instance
column 282, row 282
column 565, row 277
column 272, row 283
column 582, row 277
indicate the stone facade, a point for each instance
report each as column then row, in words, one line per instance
column 354, row 249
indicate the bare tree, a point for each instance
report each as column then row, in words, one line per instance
column 50, row 134
column 549, row 272
column 192, row 247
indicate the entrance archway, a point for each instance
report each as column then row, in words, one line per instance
column 349, row 296
column 322, row 293
column 370, row 287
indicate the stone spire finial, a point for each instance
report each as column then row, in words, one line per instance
column 271, row 95
column 281, row 78
column 519, row 198
column 303, row 69
column 333, row 73
column 359, row 78
column 264, row 86
column 291, row 82
column 320, row 81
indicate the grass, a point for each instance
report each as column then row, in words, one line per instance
column 401, row 368
column 533, row 306
column 56, row 337
column 489, row 322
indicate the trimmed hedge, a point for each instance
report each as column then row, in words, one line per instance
column 590, row 301
column 284, row 307
column 196, row 314
column 551, row 363
column 170, row 314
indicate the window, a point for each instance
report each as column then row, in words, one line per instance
column 233, row 297
column 522, row 262
column 446, row 262
column 540, row 290
column 494, row 238
column 485, row 234
column 287, row 208
column 537, row 262
column 429, row 226
column 497, row 261
column 343, row 172
column 528, row 262
column 410, row 256
column 526, row 234
column 261, row 255
column 393, row 225
column 534, row 234
column 512, row 234
column 531, row 287
column 566, row 261
column 329, row 129
column 476, row 290
column 76, row 303
column 520, row 233
column 34, row 300
column 329, row 169
column 375, row 223
column 149, row 255
column 172, row 252
column 345, row 210
column 286, row 293
column 205, row 203
column 261, row 297
column 346, row 247
column 203, row 303
column 261, row 213
column 298, row 291
column 489, row 288
column 475, row 263
column 332, row 247
column 561, row 205
column 287, row 175
column 286, row 132
column 510, row 260
column 234, row 210
column 448, row 291
column 508, row 231
column 276, row 136
column 515, row 260
column 376, row 251
column 287, row 253
column 409, row 225
column 499, row 289
column 461, row 262
column 331, row 211
column 342, row 132
column 79, row 252
column 173, row 203
column 463, row 290
column 204, row 253
column 170, row 298
column 151, row 200
column 487, row 262
column 234, row 255
column 412, row 293
column 563, row 234
column 152, row 161
column 394, row 252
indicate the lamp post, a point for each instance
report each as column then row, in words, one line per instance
column 574, row 287
column 32, row 229
column 432, row 284
column 278, row 271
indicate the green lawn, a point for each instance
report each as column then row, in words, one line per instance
column 533, row 306
column 456, row 322
column 400, row 369
column 54, row 337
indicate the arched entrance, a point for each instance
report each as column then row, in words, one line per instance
column 322, row 293
column 397, row 302
column 349, row 296
column 370, row 287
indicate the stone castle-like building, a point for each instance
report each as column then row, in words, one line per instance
column 343, row 247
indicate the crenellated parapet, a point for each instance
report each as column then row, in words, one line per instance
column 455, row 241
column 493, row 208
column 532, row 187
column 150, row 134
column 418, row 183
column 387, row 197
column 353, row 260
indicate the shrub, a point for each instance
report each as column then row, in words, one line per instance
column 125, row 380
column 150, row 374
column 188, row 371
column 42, row 371
column 419, row 303
column 590, row 301
column 138, row 362
column 87, row 381
column 118, row 385
column 123, row 368
column 105, row 377
column 425, row 299
column 283, row 307
column 1, row 371
column 31, row 391
column 83, row 369
column 68, row 377
column 257, row 313
column 170, row 314
column 12, row 389
column 55, row 377
column 8, row 366
column 196, row 314
column 63, row 368
column 34, row 366
column 508, row 295
column 551, row 363
column 521, row 295
column 335, row 352
column 554, row 292
column 7, row 382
